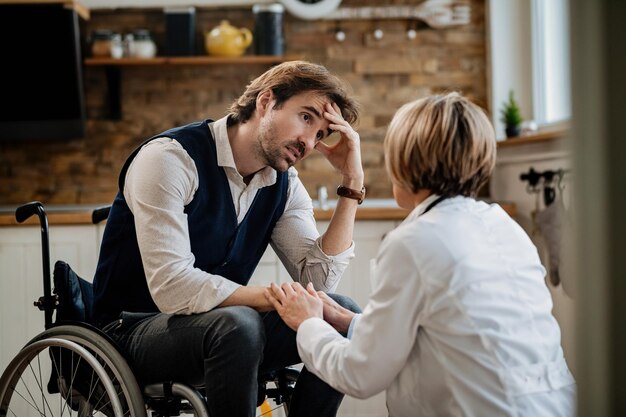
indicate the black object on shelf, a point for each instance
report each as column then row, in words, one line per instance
column 180, row 31
column 114, row 92
column 42, row 73
column 268, row 29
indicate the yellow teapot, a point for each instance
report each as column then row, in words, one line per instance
column 227, row 40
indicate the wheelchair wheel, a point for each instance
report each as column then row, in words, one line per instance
column 278, row 388
column 73, row 371
column 173, row 399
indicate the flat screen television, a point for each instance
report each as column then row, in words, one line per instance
column 41, row 82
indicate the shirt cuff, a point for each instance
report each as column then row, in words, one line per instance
column 317, row 253
column 313, row 327
column 353, row 324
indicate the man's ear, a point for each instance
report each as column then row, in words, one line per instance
column 264, row 102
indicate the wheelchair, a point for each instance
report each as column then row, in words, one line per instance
column 73, row 368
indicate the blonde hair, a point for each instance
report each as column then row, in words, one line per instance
column 290, row 79
column 444, row 144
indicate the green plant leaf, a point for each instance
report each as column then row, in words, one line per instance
column 510, row 113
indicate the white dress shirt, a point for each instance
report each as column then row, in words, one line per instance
column 162, row 179
column 459, row 322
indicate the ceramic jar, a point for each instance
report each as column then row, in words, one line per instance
column 142, row 45
column 227, row 40
column 106, row 44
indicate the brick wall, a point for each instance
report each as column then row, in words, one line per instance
column 382, row 75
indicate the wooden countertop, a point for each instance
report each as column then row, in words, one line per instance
column 78, row 217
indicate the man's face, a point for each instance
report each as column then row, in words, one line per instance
column 289, row 134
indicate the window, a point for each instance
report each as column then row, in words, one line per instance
column 551, row 61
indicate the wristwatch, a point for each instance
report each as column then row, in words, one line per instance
column 350, row 193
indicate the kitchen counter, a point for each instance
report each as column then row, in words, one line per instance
column 372, row 209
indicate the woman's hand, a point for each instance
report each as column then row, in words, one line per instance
column 294, row 303
column 345, row 155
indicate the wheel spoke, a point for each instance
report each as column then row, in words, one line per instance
column 28, row 402
column 43, row 397
column 92, row 386
column 29, row 393
column 39, row 382
column 63, row 403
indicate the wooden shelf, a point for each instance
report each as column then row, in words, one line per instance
column 192, row 60
column 539, row 136
column 113, row 68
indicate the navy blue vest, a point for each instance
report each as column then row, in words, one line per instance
column 219, row 245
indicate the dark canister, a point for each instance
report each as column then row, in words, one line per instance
column 180, row 31
column 268, row 29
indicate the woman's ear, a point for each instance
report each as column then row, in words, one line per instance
column 264, row 101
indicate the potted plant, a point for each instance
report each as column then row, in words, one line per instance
column 511, row 117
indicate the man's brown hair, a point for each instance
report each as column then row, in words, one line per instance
column 289, row 79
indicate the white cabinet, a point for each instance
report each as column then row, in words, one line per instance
column 21, row 280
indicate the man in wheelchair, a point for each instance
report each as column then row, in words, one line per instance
column 196, row 208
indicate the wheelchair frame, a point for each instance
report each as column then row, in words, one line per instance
column 94, row 348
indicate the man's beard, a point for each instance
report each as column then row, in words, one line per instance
column 272, row 151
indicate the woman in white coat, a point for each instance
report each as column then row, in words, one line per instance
column 459, row 321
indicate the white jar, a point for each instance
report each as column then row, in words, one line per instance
column 117, row 50
column 142, row 46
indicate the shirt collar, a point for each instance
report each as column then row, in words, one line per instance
column 421, row 207
column 222, row 145
column 219, row 128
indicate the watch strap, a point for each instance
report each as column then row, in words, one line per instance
column 358, row 195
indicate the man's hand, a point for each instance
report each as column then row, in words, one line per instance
column 344, row 155
column 294, row 303
column 336, row 315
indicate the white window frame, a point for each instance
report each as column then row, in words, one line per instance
column 551, row 61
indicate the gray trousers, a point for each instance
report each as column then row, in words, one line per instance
column 225, row 349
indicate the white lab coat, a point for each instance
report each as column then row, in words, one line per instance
column 459, row 322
